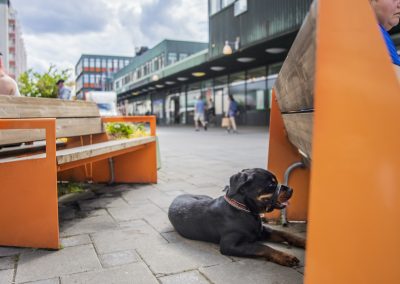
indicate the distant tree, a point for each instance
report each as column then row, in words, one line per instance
column 35, row 84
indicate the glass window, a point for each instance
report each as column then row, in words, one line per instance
column 194, row 92
column 115, row 65
column 220, row 88
column 86, row 78
column 92, row 79
column 121, row 63
column 98, row 63
column 182, row 56
column 172, row 58
column 226, row 3
column 126, row 62
column 237, row 90
column 92, row 63
column 85, row 62
column 256, row 89
column 103, row 63
column 215, row 6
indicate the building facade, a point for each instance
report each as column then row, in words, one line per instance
column 11, row 42
column 248, row 42
column 95, row 72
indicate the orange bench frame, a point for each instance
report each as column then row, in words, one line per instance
column 351, row 194
column 28, row 191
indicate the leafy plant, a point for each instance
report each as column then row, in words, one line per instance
column 35, row 84
column 121, row 130
column 69, row 188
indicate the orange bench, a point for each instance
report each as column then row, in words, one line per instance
column 28, row 183
column 336, row 105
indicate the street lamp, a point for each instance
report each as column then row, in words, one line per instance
column 228, row 49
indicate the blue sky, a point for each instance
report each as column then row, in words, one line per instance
column 58, row 32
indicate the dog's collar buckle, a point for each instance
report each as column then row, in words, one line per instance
column 236, row 204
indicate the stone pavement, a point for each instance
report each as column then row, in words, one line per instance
column 121, row 234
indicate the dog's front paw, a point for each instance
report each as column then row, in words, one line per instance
column 285, row 259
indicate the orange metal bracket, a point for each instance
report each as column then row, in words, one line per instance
column 28, row 193
column 281, row 155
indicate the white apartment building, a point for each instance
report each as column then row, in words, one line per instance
column 11, row 42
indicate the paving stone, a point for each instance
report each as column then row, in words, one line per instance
column 6, row 276
column 87, row 225
column 133, row 273
column 7, row 262
column 141, row 193
column 99, row 203
column 75, row 241
column 46, row 281
column 173, row 237
column 186, row 256
column 190, row 277
column 155, row 216
column 8, row 251
column 41, row 264
column 133, row 235
column 251, row 271
column 74, row 197
column 118, row 258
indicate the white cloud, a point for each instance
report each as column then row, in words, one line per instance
column 104, row 27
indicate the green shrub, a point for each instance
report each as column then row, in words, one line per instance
column 121, row 130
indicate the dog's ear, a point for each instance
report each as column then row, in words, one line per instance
column 238, row 181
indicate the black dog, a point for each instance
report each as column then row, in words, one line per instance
column 233, row 220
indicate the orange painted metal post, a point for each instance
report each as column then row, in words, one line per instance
column 28, row 193
column 354, row 216
column 281, row 155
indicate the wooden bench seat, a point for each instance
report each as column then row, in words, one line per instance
column 28, row 191
column 83, row 153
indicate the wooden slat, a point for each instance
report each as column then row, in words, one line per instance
column 299, row 128
column 27, row 107
column 66, row 127
column 84, row 152
column 295, row 84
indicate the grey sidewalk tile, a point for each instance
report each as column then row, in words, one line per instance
column 118, row 258
column 41, row 264
column 8, row 251
column 185, row 256
column 133, row 273
column 7, row 262
column 75, row 241
column 6, row 276
column 87, row 225
column 128, row 238
column 154, row 215
column 98, row 203
column 190, row 277
column 141, row 193
column 252, row 271
column 173, row 237
column 46, row 281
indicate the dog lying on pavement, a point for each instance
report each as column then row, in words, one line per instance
column 233, row 221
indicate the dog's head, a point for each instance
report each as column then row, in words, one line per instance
column 259, row 190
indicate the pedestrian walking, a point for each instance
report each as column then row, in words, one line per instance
column 232, row 112
column 199, row 111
